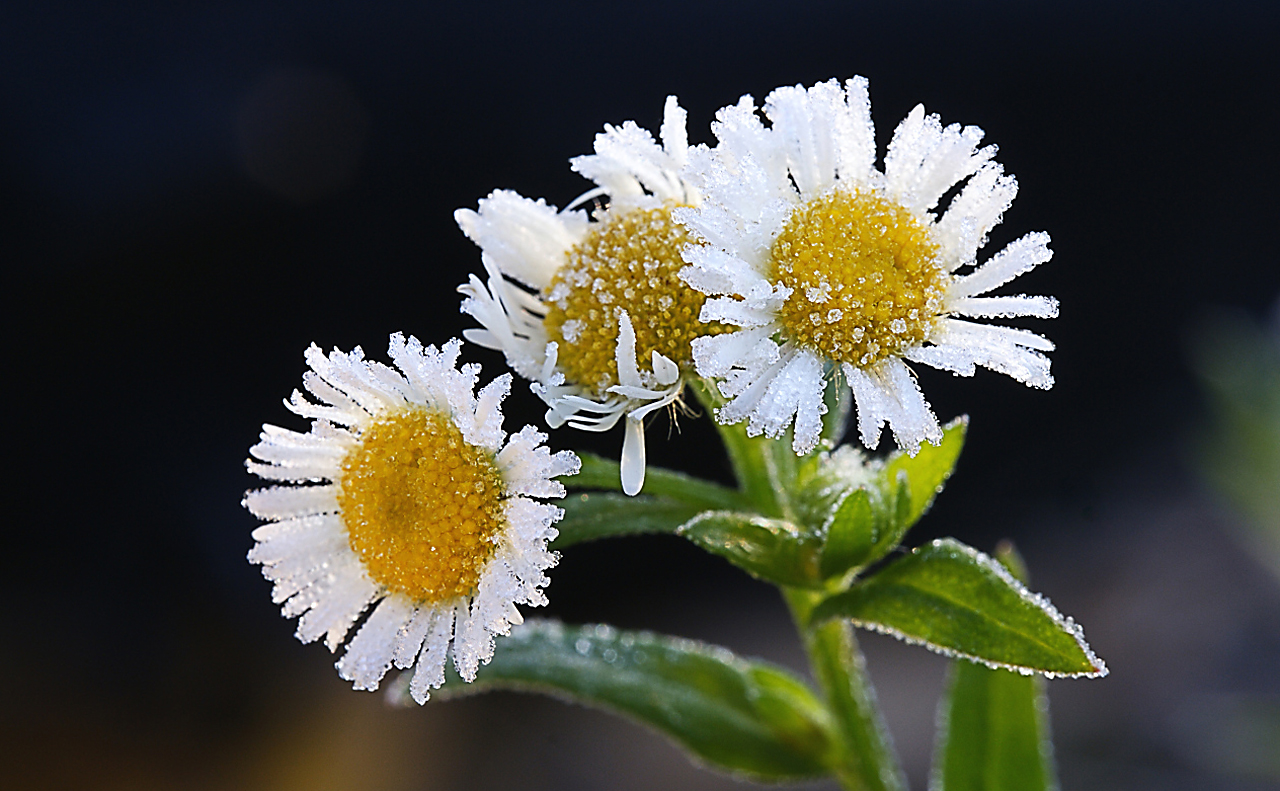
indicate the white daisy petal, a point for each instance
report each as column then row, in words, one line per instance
column 1006, row 307
column 717, row 355
column 925, row 159
column 804, row 122
column 1003, row 349
column 675, row 138
column 526, row 239
column 856, row 134
column 369, row 654
column 665, row 369
column 408, row 641
column 435, row 651
column 1020, row 256
column 973, row 213
column 633, row 457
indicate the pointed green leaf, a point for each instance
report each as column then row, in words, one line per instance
column 746, row 717
column 600, row 473
column 851, row 534
column 771, row 549
column 607, row 515
column 959, row 602
column 929, row 469
column 993, row 732
column 897, row 491
column 993, row 724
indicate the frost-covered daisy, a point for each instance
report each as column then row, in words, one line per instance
column 822, row 261
column 406, row 494
column 606, row 331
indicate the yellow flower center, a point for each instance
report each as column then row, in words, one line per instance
column 422, row 506
column 627, row 262
column 865, row 278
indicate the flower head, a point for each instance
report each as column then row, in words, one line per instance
column 824, row 262
column 606, row 331
column 405, row 494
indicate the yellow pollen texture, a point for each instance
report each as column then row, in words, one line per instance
column 421, row 505
column 865, row 278
column 627, row 262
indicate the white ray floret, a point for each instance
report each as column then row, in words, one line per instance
column 305, row 547
column 527, row 242
column 820, row 141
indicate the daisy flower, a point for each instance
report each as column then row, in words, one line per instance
column 603, row 323
column 405, row 496
column 823, row 262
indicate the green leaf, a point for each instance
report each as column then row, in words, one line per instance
column 957, row 601
column 600, row 473
column 925, row 473
column 861, row 528
column 894, row 508
column 993, row 724
column 993, row 732
column 851, row 534
column 771, row 549
column 743, row 716
column 607, row 515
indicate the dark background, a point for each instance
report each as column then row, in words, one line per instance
column 191, row 194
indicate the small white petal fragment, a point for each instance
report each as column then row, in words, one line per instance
column 633, row 457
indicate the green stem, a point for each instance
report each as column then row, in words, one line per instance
column 766, row 471
column 762, row 466
column 867, row 761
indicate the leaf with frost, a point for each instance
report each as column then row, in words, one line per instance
column 770, row 549
column 928, row 470
column 596, row 515
column 993, row 724
column 864, row 508
column 959, row 602
column 851, row 534
column 992, row 732
column 744, row 716
column 600, row 473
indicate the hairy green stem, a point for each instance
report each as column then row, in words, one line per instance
column 766, row 471
column 867, row 761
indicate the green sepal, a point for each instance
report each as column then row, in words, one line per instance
column 929, row 469
column 907, row 486
column 993, row 724
column 588, row 517
column 597, row 472
column 865, row 508
column 771, row 549
column 851, row 534
column 747, row 717
column 959, row 602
